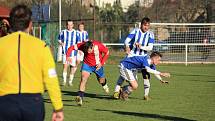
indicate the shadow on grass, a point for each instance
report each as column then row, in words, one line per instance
column 196, row 75
column 148, row 115
column 90, row 95
column 64, row 104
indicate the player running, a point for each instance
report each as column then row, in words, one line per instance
column 95, row 56
column 129, row 67
column 67, row 38
column 138, row 43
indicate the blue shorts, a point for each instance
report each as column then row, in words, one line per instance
column 99, row 73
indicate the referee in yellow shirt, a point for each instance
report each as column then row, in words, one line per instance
column 26, row 69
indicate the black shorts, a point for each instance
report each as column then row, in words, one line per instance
column 22, row 107
column 145, row 74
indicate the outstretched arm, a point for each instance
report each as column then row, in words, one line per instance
column 74, row 47
column 148, row 69
column 160, row 79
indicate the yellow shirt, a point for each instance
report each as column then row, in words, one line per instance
column 27, row 66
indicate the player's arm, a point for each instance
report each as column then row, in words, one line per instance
column 105, row 52
column 50, row 80
column 87, row 37
column 128, row 40
column 74, row 47
column 148, row 69
column 160, row 79
column 78, row 38
column 60, row 39
column 146, row 48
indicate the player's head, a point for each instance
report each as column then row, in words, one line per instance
column 145, row 24
column 155, row 57
column 88, row 47
column 81, row 26
column 20, row 18
column 69, row 24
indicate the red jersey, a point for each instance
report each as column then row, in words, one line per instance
column 98, row 55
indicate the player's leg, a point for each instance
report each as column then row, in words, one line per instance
column 85, row 73
column 65, row 66
column 118, row 87
column 72, row 69
column 146, row 78
column 131, row 77
column 101, row 79
column 128, row 89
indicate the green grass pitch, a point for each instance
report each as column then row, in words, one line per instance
column 190, row 95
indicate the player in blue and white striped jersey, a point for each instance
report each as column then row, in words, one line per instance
column 141, row 40
column 138, row 43
column 67, row 38
column 130, row 65
column 83, row 37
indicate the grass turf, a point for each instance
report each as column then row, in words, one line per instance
column 190, row 95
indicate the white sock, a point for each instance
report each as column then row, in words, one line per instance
column 71, row 78
column 118, row 84
column 117, row 88
column 105, row 86
column 146, row 87
column 64, row 76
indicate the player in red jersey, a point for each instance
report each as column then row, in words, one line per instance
column 95, row 55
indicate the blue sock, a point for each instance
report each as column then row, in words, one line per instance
column 126, row 89
column 81, row 94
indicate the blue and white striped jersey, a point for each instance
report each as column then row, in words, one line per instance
column 135, row 62
column 69, row 38
column 83, row 36
column 138, row 63
column 146, row 40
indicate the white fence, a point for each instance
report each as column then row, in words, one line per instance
column 180, row 52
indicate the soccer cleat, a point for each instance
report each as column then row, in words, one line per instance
column 106, row 88
column 116, row 95
column 147, row 98
column 124, row 95
column 78, row 99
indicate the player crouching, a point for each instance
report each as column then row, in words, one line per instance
column 128, row 71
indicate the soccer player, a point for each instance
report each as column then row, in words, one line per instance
column 67, row 38
column 83, row 37
column 140, row 40
column 137, row 43
column 95, row 55
column 129, row 67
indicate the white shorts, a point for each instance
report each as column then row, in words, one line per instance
column 129, row 75
column 72, row 62
column 80, row 55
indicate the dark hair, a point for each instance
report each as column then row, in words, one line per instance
column 87, row 45
column 155, row 53
column 81, row 23
column 20, row 17
column 68, row 20
column 145, row 20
